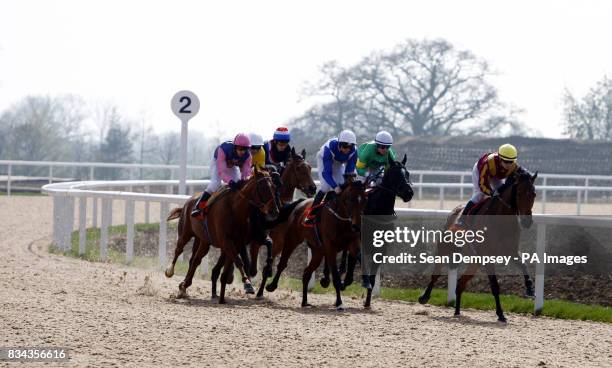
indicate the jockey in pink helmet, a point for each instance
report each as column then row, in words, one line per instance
column 231, row 164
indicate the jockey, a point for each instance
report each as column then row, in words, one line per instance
column 336, row 158
column 231, row 164
column 258, row 153
column 488, row 174
column 277, row 149
column 375, row 154
column 259, row 161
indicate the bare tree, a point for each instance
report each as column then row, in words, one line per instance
column 169, row 148
column 418, row 88
column 591, row 117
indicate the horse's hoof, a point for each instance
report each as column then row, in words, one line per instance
column 271, row 287
column 307, row 305
column 169, row 272
column 324, row 282
column 367, row 306
column 502, row 319
column 248, row 288
column 259, row 297
column 340, row 308
column 214, row 296
column 529, row 295
column 182, row 294
column 423, row 299
column 457, row 315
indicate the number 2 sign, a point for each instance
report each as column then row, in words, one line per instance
column 185, row 104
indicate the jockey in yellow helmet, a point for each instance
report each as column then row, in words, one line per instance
column 488, row 174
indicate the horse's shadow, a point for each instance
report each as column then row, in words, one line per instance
column 468, row 321
column 324, row 309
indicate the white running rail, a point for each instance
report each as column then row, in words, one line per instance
column 64, row 212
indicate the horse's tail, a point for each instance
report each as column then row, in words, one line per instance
column 283, row 214
column 175, row 213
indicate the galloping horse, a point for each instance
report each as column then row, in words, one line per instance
column 297, row 175
column 514, row 198
column 226, row 225
column 341, row 217
column 380, row 202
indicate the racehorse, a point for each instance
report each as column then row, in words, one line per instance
column 295, row 175
column 226, row 225
column 395, row 181
column 513, row 199
column 339, row 221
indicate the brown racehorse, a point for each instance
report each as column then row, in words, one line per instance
column 226, row 225
column 296, row 175
column 514, row 198
column 337, row 230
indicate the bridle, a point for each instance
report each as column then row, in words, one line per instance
column 259, row 204
column 294, row 172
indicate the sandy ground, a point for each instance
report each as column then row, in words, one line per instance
column 112, row 315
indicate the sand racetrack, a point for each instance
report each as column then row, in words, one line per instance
column 107, row 317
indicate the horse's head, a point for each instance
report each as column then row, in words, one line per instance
column 261, row 193
column 353, row 200
column 397, row 179
column 525, row 196
column 520, row 193
column 298, row 174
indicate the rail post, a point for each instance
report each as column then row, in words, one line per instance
column 452, row 286
column 105, row 223
column 8, row 179
column 82, row 224
column 163, row 210
column 544, row 195
column 539, row 277
column 129, row 218
column 421, row 186
column 311, row 282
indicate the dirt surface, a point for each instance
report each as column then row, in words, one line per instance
column 111, row 315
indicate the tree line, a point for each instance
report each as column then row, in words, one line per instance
column 66, row 128
column 430, row 88
column 419, row 87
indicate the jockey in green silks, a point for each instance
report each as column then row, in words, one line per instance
column 375, row 154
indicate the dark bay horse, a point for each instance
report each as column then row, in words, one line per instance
column 515, row 198
column 226, row 225
column 395, row 182
column 339, row 221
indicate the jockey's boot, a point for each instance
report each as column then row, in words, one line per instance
column 460, row 223
column 200, row 204
column 310, row 219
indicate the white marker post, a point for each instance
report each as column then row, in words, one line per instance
column 185, row 104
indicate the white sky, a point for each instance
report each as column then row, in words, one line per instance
column 247, row 60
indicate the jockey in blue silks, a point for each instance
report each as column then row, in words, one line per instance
column 336, row 158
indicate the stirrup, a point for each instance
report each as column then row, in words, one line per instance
column 309, row 221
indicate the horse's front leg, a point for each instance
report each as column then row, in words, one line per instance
column 330, row 257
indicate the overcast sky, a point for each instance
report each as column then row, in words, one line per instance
column 247, row 60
